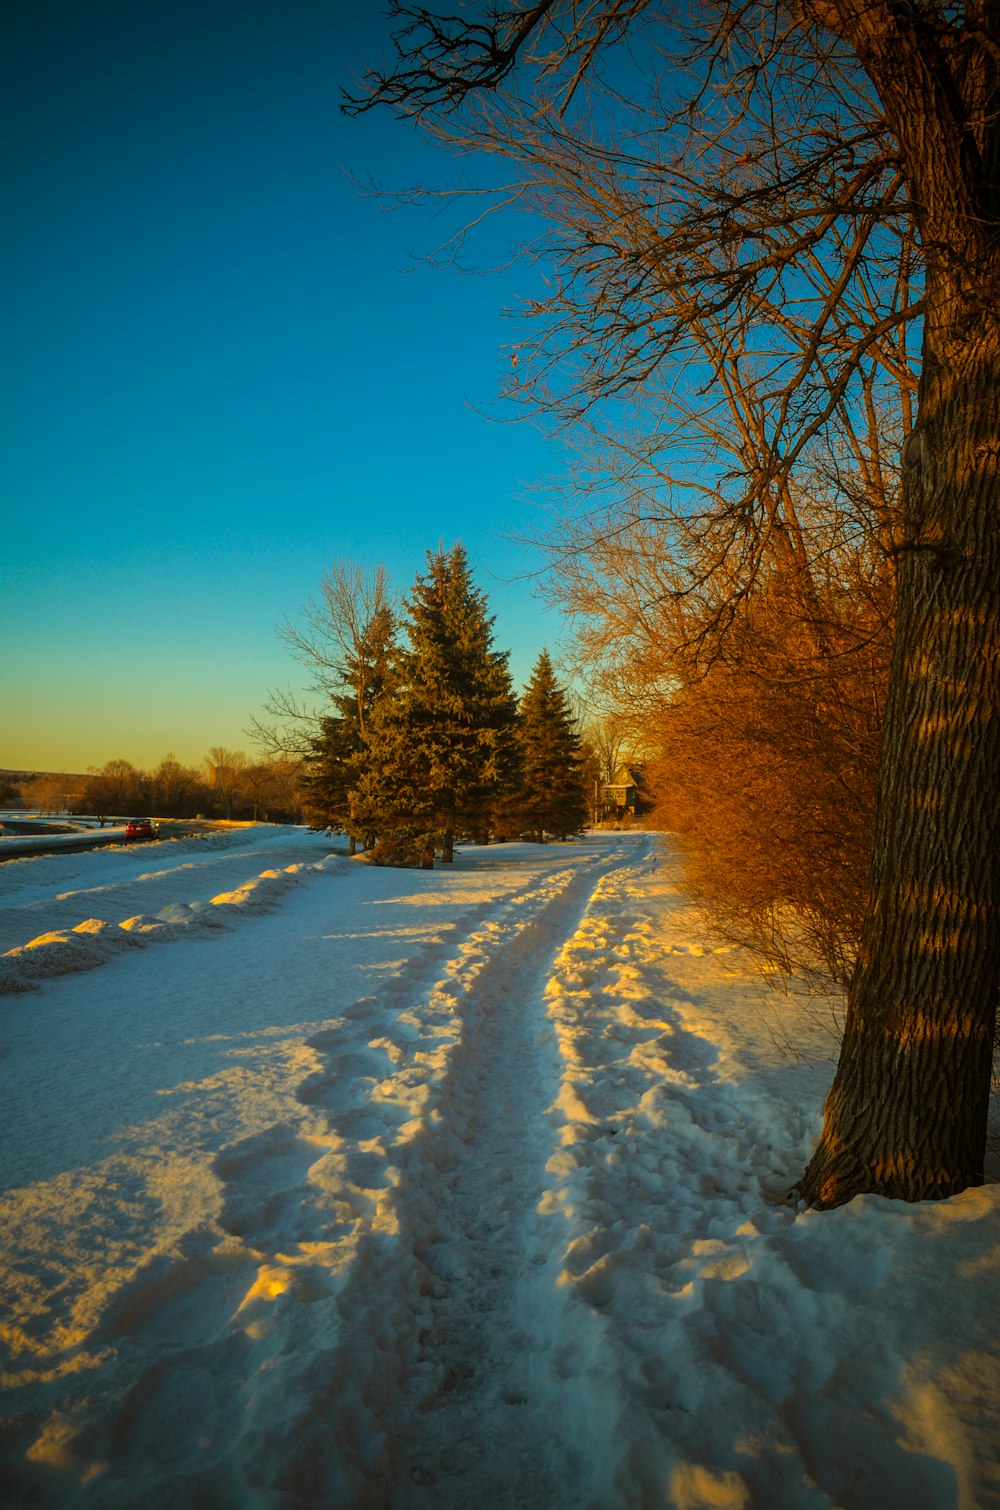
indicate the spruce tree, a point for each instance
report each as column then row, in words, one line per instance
column 336, row 751
column 551, row 800
column 339, row 747
column 443, row 737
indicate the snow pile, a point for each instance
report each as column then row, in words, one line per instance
column 459, row 1188
column 89, row 943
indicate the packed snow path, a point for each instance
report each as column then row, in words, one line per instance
column 334, row 1186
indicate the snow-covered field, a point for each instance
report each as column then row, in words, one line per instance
column 331, row 1186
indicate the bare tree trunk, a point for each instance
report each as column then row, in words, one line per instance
column 906, row 1115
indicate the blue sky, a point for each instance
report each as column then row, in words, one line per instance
column 220, row 369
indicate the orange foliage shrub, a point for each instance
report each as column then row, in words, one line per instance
column 767, row 765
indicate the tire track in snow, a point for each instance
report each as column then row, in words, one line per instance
column 57, row 892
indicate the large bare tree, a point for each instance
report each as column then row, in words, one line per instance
column 807, row 183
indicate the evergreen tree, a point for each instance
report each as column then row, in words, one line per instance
column 338, row 750
column 552, row 798
column 332, row 767
column 443, row 738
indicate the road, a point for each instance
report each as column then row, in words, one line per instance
column 31, row 840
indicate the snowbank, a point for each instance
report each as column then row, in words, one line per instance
column 93, row 941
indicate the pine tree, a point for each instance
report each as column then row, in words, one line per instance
column 443, row 742
column 552, row 798
column 339, row 747
column 331, row 767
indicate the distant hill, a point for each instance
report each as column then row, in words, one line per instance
column 33, row 774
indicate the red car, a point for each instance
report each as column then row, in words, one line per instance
column 141, row 828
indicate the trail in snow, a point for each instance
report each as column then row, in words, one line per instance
column 441, row 1171
column 475, row 1237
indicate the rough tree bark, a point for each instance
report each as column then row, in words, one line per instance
column 906, row 1115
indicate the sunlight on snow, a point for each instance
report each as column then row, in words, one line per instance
column 419, row 1214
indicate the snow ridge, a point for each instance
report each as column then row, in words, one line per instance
column 94, row 941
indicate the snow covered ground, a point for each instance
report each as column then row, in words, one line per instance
column 330, row 1186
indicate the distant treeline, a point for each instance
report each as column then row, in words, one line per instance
column 229, row 784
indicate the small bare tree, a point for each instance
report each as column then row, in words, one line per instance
column 341, row 641
column 227, row 774
column 47, row 794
